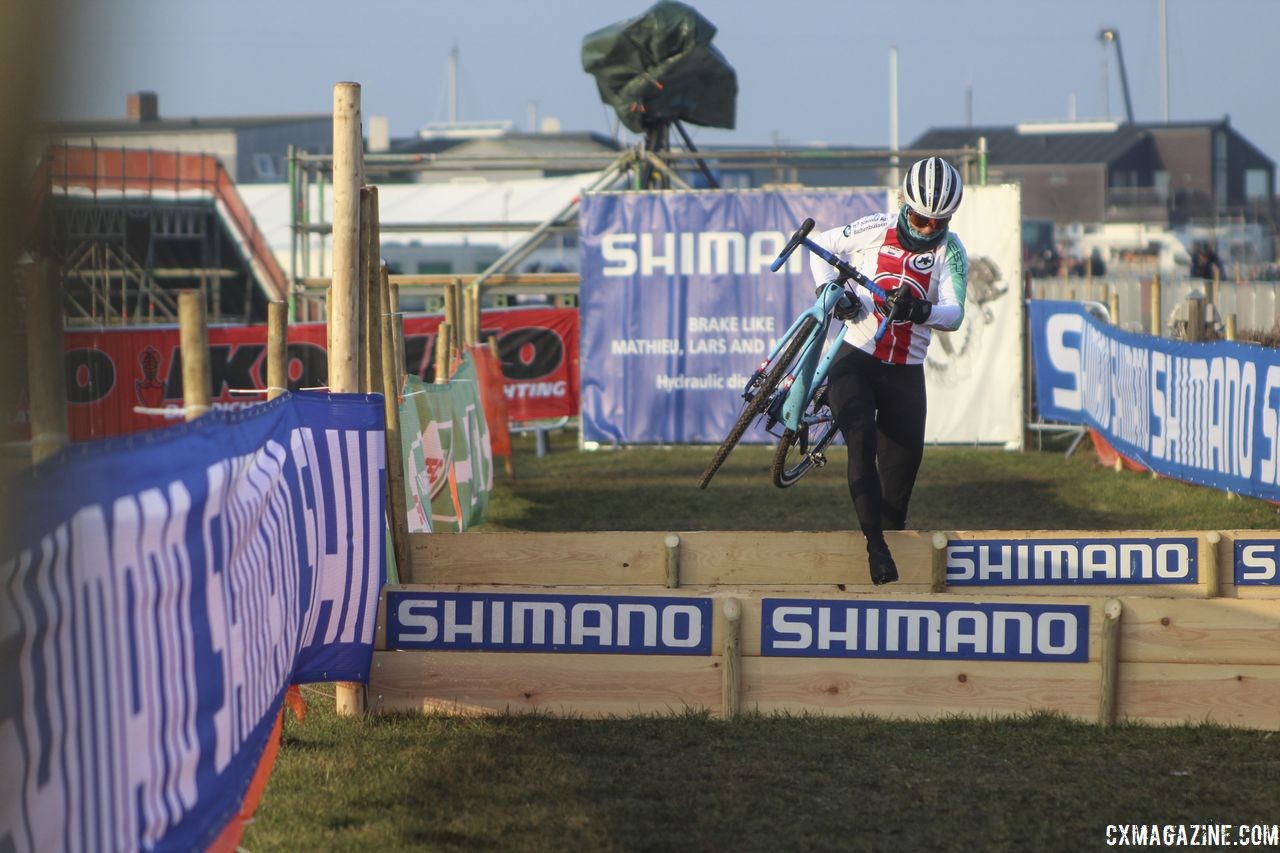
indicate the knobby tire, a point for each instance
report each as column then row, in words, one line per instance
column 757, row 403
column 785, row 476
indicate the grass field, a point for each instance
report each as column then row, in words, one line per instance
column 691, row 782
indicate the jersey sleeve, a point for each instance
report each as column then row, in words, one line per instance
column 861, row 234
column 953, row 286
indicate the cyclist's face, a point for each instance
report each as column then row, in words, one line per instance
column 924, row 224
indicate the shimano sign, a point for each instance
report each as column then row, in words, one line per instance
column 1046, row 562
column 580, row 624
column 1256, row 562
column 892, row 629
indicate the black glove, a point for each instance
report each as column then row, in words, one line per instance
column 903, row 306
column 849, row 309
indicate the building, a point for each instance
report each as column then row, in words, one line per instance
column 1170, row 175
column 253, row 149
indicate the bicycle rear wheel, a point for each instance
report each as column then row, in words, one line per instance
column 797, row 453
column 760, row 399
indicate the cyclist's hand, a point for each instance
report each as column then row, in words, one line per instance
column 849, row 309
column 903, row 306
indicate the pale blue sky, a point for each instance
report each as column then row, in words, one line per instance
column 812, row 71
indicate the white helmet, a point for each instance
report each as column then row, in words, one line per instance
column 932, row 188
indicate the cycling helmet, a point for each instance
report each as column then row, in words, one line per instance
column 932, row 188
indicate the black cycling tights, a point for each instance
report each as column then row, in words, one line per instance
column 880, row 409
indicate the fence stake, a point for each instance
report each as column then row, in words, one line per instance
column 397, row 505
column 731, row 677
column 1155, row 305
column 277, row 349
column 672, row 542
column 371, row 283
column 344, row 302
column 46, row 378
column 194, row 340
column 1212, row 567
column 442, row 353
column 938, row 582
column 1111, row 611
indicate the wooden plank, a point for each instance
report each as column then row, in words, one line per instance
column 1216, row 631
column 1176, row 693
column 567, row 685
column 707, row 558
column 915, row 689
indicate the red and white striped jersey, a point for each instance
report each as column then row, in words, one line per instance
column 940, row 275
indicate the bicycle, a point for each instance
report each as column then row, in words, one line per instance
column 789, row 388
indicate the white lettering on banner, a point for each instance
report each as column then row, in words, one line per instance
column 1258, row 564
column 607, row 624
column 1072, row 561
column 700, row 253
column 1202, row 411
column 657, row 346
column 1066, row 359
column 536, row 390
column 823, row 629
column 711, row 382
column 1270, row 473
column 113, row 591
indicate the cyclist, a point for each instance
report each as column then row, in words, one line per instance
column 876, row 390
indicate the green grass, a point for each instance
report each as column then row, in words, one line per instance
column 690, row 782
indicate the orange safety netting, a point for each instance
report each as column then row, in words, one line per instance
column 494, row 399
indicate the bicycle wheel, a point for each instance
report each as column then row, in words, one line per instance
column 797, row 453
column 760, row 399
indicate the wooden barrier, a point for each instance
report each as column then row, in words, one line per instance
column 1164, row 653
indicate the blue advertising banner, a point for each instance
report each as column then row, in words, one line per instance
column 1257, row 562
column 1059, row 562
column 577, row 624
column 926, row 631
column 678, row 305
column 162, row 591
column 1206, row 413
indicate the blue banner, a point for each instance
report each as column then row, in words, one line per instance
column 793, row 627
column 678, row 305
column 1067, row 562
column 576, row 624
column 1206, row 413
column 1257, row 562
column 162, row 591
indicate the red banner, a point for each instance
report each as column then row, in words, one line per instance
column 111, row 372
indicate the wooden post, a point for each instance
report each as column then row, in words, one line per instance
column 442, row 353
column 452, row 300
column 1212, row 568
column 1111, row 611
column 1113, row 305
column 344, row 303
column 397, row 504
column 507, row 463
column 371, row 282
column 1195, row 318
column 277, row 349
column 194, row 340
column 938, row 581
column 470, row 316
column 46, row 374
column 1155, row 305
column 401, row 367
column 672, row 543
column 731, row 675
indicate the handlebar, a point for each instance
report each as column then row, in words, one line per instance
column 847, row 271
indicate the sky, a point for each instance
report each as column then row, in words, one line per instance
column 811, row 72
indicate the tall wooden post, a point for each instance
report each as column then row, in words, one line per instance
column 194, row 339
column 397, row 504
column 1155, row 305
column 371, row 262
column 344, row 301
column 277, row 349
column 46, row 376
column 401, row 367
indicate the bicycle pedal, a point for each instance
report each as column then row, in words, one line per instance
column 819, row 460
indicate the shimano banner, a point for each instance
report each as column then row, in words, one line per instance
column 161, row 594
column 679, row 306
column 1206, row 413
